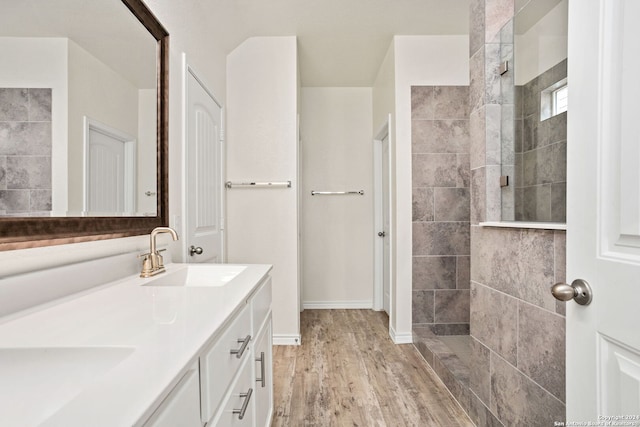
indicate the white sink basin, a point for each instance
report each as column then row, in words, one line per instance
column 202, row 275
column 36, row 382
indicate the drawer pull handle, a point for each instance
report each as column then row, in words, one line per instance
column 246, row 396
column 261, row 360
column 245, row 342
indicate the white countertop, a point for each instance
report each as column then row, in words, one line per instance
column 164, row 328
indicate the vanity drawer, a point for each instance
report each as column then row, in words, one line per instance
column 261, row 304
column 238, row 402
column 218, row 365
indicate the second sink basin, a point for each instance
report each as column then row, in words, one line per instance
column 203, row 275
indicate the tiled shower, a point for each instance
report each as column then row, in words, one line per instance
column 440, row 181
column 510, row 369
column 25, row 151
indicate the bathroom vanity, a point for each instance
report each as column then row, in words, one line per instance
column 190, row 347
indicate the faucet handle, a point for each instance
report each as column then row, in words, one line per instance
column 144, row 255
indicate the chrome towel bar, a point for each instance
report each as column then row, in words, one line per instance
column 285, row 184
column 336, row 193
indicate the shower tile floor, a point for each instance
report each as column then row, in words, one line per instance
column 449, row 356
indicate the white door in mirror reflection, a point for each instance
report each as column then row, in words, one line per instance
column 204, row 174
column 109, row 172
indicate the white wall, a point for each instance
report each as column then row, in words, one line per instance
column 189, row 30
column 98, row 92
column 262, row 145
column 418, row 61
column 543, row 45
column 42, row 63
column 337, row 231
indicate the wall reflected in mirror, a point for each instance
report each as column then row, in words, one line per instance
column 534, row 112
column 78, row 110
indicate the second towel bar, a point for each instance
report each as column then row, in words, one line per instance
column 336, row 193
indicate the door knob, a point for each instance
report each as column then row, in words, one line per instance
column 195, row 251
column 381, row 233
column 579, row 290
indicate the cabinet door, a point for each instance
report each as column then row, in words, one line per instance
column 263, row 369
column 182, row 406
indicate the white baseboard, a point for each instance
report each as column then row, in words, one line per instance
column 406, row 338
column 286, row 339
column 322, row 305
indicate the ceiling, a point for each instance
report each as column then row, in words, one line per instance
column 106, row 29
column 340, row 42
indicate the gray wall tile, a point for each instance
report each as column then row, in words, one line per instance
column 422, row 204
column 480, row 371
column 476, row 80
column 494, row 317
column 40, row 105
column 541, row 348
column 434, row 170
column 477, row 135
column 434, row 272
column 451, row 204
column 481, row 415
column 478, row 195
column 14, row 200
column 518, row 401
column 440, row 136
column 28, row 172
column 464, row 172
column 40, row 200
column 451, row 306
column 463, row 272
column 518, row 262
column 497, row 14
column 14, row 104
column 422, row 102
column 451, row 102
column 3, row 172
column 476, row 26
column 422, row 306
column 25, row 138
column 440, row 238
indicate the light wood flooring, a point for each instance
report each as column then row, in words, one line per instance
column 348, row 372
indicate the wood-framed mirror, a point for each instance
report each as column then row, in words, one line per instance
column 61, row 214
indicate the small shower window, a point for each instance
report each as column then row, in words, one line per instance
column 560, row 97
column 554, row 100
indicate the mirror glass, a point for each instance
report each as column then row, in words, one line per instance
column 534, row 112
column 78, row 110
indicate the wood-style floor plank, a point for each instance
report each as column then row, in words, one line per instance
column 348, row 372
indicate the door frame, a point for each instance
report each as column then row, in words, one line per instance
column 378, row 249
column 188, row 69
column 130, row 162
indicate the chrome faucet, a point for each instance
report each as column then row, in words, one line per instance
column 152, row 262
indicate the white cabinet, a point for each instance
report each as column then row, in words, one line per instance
column 182, row 406
column 220, row 363
column 237, row 407
column 230, row 368
column 263, row 375
column 231, row 383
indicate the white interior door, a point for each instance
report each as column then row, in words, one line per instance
column 204, row 225
column 603, row 212
column 110, row 173
column 386, row 264
column 382, row 247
